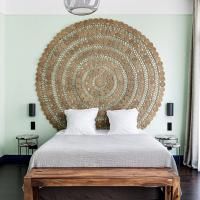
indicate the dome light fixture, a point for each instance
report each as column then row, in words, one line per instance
column 81, row 7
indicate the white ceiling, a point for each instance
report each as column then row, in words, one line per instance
column 56, row 7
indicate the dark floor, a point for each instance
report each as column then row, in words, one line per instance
column 11, row 180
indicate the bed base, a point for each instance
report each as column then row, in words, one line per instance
column 67, row 177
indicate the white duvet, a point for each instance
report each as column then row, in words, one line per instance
column 135, row 150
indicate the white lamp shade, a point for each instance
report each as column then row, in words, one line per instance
column 81, row 7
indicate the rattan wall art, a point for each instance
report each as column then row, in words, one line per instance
column 100, row 63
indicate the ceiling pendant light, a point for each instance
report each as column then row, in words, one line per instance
column 81, row 7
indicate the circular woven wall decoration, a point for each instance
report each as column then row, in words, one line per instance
column 100, row 63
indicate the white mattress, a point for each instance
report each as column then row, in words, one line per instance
column 102, row 150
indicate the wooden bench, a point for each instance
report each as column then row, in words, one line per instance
column 65, row 177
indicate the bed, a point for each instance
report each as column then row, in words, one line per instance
column 102, row 150
column 108, row 65
column 77, row 160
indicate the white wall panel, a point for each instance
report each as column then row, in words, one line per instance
column 56, row 7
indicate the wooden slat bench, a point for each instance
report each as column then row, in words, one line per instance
column 65, row 177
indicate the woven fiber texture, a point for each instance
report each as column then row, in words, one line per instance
column 100, row 63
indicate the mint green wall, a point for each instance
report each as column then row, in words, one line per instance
column 27, row 36
column 2, row 95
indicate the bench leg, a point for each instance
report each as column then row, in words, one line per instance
column 176, row 194
column 35, row 193
column 28, row 190
column 168, row 193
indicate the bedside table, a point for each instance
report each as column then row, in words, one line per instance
column 27, row 141
column 170, row 142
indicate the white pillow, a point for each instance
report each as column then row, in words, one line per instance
column 123, row 121
column 81, row 122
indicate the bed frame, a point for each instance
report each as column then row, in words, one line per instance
column 67, row 177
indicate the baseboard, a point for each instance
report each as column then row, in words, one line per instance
column 15, row 159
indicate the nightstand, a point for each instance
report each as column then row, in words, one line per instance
column 27, row 141
column 170, row 142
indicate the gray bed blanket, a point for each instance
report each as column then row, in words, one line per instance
column 103, row 150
